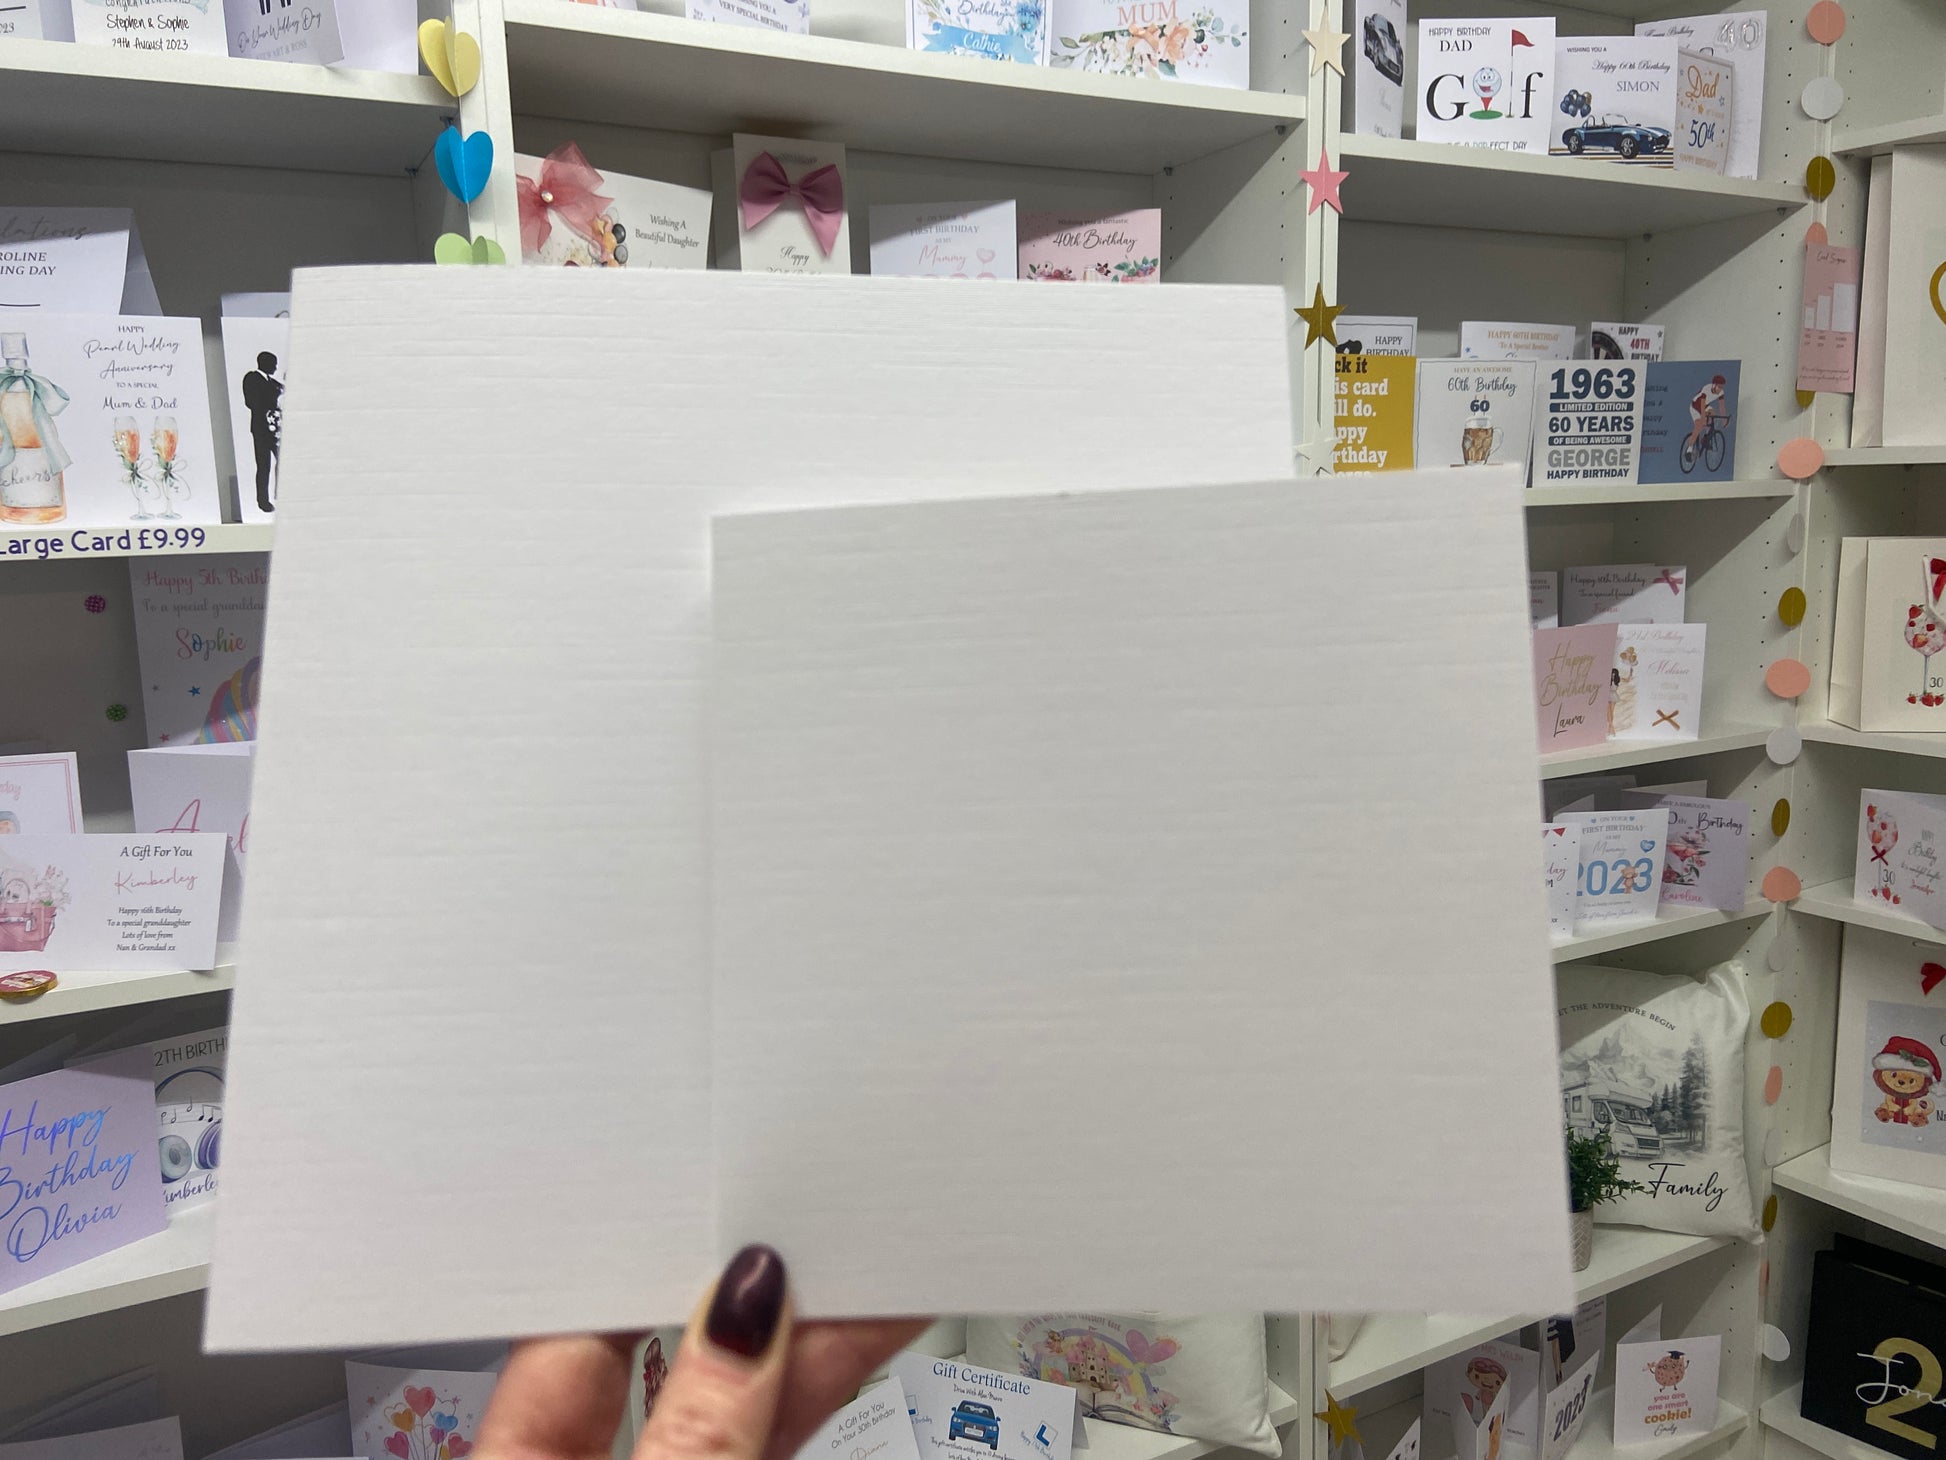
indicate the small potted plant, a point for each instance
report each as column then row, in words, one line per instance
column 1594, row 1176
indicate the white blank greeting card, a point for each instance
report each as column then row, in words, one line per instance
column 1085, row 776
column 582, row 995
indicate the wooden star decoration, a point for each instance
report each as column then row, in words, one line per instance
column 1342, row 1420
column 1319, row 319
column 1327, row 47
column 1324, row 180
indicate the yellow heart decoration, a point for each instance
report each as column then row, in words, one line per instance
column 451, row 55
column 454, row 248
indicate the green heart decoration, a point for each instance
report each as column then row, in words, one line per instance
column 454, row 248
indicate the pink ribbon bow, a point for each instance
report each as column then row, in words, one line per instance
column 821, row 193
column 567, row 185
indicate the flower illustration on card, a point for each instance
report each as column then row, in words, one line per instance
column 1163, row 46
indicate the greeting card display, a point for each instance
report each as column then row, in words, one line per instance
column 80, row 1144
column 1708, row 862
column 1889, row 623
column 1592, row 427
column 1689, row 425
column 1544, row 599
column 106, row 422
column 1488, row 1399
column 1875, row 1345
column 256, row 351
column 1737, row 40
column 790, row 16
column 1184, row 40
column 574, row 215
column 1092, row 248
column 998, row 30
column 1571, row 685
column 1475, row 412
column 945, row 240
column 109, row 902
column 72, row 260
column 1372, row 411
column 1888, row 1118
column 1664, row 1388
column 152, row 25
column 192, row 788
column 415, row 1413
column 1625, row 593
column 199, row 637
column 1619, row 878
column 39, row 794
column 1487, row 83
column 791, row 212
column 1615, row 99
column 1378, row 334
column 1901, row 846
column 1495, row 339
column 1377, row 80
column 1914, row 369
column 1610, row 340
column 1657, row 684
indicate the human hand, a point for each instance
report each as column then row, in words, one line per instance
column 748, row 1383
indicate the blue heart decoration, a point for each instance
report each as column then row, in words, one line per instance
column 463, row 162
column 448, row 1422
column 1648, row 846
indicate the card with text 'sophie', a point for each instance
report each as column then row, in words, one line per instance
column 81, row 1145
column 1372, row 411
column 1181, row 40
column 996, row 30
column 945, row 240
column 73, row 261
column 109, row 902
column 573, row 215
column 1689, row 420
column 199, row 625
column 118, row 414
column 1092, row 248
column 1571, row 685
column 963, row 1412
column 39, row 794
column 1487, row 83
column 1625, row 593
column 172, row 26
column 792, row 212
column 1657, row 685
column 1620, row 876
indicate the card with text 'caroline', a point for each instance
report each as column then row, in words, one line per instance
column 960, row 1412
column 73, row 261
column 39, row 793
column 109, row 902
column 1620, row 876
column 1625, row 593
column 1657, row 684
column 945, row 240
column 1708, row 863
column 1571, row 685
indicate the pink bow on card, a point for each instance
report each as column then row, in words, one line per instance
column 567, row 185
column 821, row 193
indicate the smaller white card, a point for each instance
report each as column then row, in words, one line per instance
column 1544, row 599
column 945, row 240
column 573, row 215
column 981, row 1414
column 1378, row 334
column 789, row 200
column 1561, row 862
column 1610, row 340
column 39, row 795
column 304, row 32
column 1658, row 682
column 1620, row 876
column 72, row 261
column 877, row 1423
column 109, row 902
column 1625, row 593
column 1665, row 1388
column 1507, row 340
column 792, row 16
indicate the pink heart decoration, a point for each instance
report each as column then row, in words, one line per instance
column 460, row 1448
column 986, row 255
column 437, row 1434
column 399, row 1445
column 1144, row 1352
column 419, row 1399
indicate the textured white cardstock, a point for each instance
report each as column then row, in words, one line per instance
column 1057, row 794
column 540, row 943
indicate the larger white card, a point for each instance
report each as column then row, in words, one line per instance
column 109, row 902
column 597, row 817
column 951, row 865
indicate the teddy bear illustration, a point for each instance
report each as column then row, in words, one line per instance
column 1882, row 832
column 1621, row 700
column 1905, row 1070
column 1669, row 1369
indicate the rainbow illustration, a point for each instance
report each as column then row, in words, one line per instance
column 233, row 708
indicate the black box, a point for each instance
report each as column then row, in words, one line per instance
column 1873, row 1357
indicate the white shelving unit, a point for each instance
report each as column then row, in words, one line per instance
column 171, row 1262
column 1914, row 1210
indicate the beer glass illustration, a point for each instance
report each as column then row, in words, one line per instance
column 1478, row 440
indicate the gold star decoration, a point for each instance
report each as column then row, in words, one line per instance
column 1319, row 320
column 1341, row 1418
column 1327, row 47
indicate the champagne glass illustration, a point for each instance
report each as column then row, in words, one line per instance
column 1925, row 634
column 164, row 442
column 128, row 449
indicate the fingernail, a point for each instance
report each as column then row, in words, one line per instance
column 749, row 1301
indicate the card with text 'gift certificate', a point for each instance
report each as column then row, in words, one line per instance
column 1571, row 685
column 945, row 240
column 109, row 902
column 39, row 793
column 1092, row 248
column 791, row 208
column 962, row 1412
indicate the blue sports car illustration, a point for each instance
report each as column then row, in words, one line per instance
column 1616, row 134
column 976, row 1422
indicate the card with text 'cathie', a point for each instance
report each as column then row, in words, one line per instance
column 73, row 261
column 1665, row 1388
column 791, row 207
column 199, row 639
column 960, row 1412
column 1206, row 41
column 1475, row 413
column 1590, row 424
column 1571, row 685
column 1487, row 83
column 1708, row 862
column 1372, row 411
column 108, row 422
column 1625, row 593
column 997, row 30
column 878, row 1423
column 1901, row 845
column 109, row 902
column 1620, row 875
column 1561, row 860
column 945, row 240
column 39, row 793
column 79, row 1146
column 573, row 215
column 1615, row 99
column 1092, row 248
column 1657, row 683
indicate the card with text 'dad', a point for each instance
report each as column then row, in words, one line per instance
column 109, row 902
column 1708, row 862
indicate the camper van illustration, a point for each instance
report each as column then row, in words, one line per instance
column 1599, row 1099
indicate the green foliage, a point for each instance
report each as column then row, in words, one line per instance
column 1594, row 1171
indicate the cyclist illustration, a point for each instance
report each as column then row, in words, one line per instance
column 1706, row 418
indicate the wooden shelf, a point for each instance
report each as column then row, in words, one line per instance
column 1617, row 753
column 630, row 68
column 1780, row 1413
column 100, row 101
column 1903, row 742
column 1670, row 923
column 1917, row 1211
column 172, row 1261
column 1391, row 1345
column 81, row 993
column 1833, row 900
column 62, row 543
column 1885, row 455
column 1398, row 181
column 1871, row 141
column 1768, row 489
